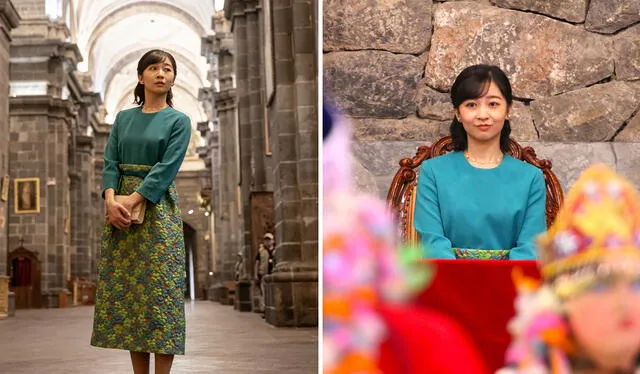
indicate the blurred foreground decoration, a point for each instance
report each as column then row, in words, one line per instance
column 585, row 316
column 362, row 265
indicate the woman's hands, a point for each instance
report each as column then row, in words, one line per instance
column 119, row 213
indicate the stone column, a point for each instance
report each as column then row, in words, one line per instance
column 36, row 24
column 292, row 288
column 261, row 199
column 247, row 63
column 100, row 136
column 206, row 96
column 40, row 125
column 206, row 192
column 43, row 117
column 216, row 183
column 229, row 227
column 239, row 26
column 306, row 97
column 82, row 209
column 8, row 20
column 84, row 226
column 255, row 95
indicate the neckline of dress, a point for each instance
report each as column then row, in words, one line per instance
column 498, row 167
column 161, row 110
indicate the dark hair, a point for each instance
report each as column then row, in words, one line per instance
column 154, row 56
column 472, row 83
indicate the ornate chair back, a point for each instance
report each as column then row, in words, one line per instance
column 401, row 195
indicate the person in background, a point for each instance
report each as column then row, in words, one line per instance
column 264, row 264
column 240, row 273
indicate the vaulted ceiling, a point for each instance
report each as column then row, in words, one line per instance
column 112, row 35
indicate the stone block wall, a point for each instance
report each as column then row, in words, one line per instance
column 39, row 127
column 100, row 137
column 574, row 67
column 82, row 227
column 225, row 152
column 8, row 20
column 292, row 289
column 30, row 8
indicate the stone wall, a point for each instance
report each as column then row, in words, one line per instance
column 8, row 20
column 82, row 225
column 39, row 127
column 574, row 67
column 51, row 114
column 292, row 288
column 225, row 192
column 100, row 137
column 274, row 61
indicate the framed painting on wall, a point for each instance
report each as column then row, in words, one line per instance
column 26, row 195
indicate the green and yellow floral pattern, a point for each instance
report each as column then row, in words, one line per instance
column 140, row 294
column 481, row 254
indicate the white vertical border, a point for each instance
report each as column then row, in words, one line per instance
column 319, row 85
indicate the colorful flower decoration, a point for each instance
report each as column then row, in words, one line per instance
column 599, row 219
column 363, row 267
column 540, row 331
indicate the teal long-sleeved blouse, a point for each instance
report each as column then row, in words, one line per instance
column 159, row 140
column 461, row 206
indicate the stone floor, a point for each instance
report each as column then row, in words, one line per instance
column 219, row 340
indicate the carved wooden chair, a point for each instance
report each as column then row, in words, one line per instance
column 401, row 196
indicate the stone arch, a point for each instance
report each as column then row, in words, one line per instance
column 115, row 43
column 128, row 10
column 135, row 54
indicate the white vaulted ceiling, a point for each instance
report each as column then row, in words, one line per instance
column 112, row 35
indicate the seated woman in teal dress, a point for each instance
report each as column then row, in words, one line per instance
column 478, row 202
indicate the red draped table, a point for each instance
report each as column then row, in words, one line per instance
column 478, row 296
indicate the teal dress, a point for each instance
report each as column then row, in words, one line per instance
column 141, row 269
column 466, row 212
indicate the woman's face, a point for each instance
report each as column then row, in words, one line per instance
column 483, row 117
column 158, row 78
column 605, row 321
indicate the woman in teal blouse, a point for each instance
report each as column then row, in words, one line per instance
column 478, row 202
column 140, row 293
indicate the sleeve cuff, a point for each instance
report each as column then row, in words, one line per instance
column 149, row 195
column 105, row 188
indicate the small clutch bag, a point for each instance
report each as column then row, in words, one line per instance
column 137, row 216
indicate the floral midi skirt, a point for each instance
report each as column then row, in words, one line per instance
column 141, row 277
